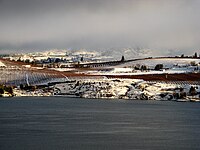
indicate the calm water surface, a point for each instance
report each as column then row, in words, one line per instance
column 82, row 124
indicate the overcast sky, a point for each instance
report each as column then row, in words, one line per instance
column 94, row 24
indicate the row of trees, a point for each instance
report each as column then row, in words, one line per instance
column 192, row 92
column 194, row 56
column 144, row 67
column 6, row 89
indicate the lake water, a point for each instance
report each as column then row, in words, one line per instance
column 52, row 123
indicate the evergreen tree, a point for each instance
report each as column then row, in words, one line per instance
column 195, row 55
column 192, row 91
column 159, row 67
column 122, row 58
column 1, row 90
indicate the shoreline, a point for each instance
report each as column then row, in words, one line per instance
column 103, row 98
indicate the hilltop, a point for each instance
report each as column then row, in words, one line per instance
column 89, row 74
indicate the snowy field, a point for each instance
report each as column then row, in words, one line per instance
column 2, row 64
column 167, row 62
column 170, row 66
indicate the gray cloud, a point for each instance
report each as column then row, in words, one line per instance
column 156, row 24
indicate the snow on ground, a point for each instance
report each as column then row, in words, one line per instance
column 125, row 88
column 2, row 64
column 131, row 71
column 62, row 69
column 170, row 66
column 167, row 62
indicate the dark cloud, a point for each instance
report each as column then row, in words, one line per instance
column 156, row 24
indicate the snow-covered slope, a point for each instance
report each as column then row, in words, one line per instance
column 2, row 64
column 126, row 89
column 103, row 54
column 167, row 62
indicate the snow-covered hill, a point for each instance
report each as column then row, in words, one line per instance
column 125, row 89
column 103, row 54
